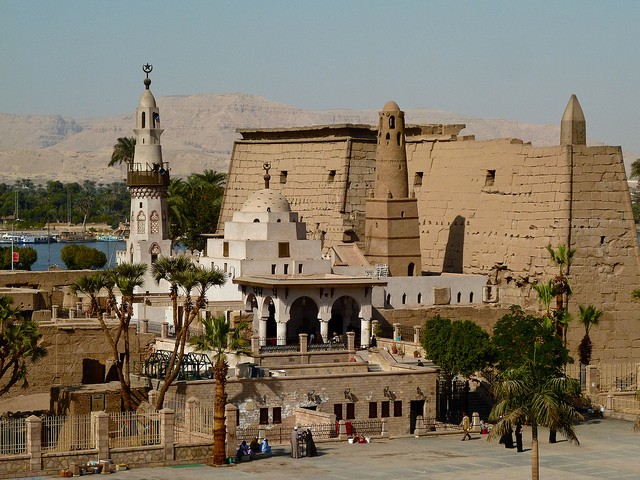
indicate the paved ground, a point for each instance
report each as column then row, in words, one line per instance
column 608, row 450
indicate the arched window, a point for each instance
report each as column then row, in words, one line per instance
column 388, row 299
column 144, row 119
column 471, row 297
column 155, row 222
column 419, row 298
column 256, row 220
column 404, row 298
column 392, row 122
column 410, row 270
column 387, row 137
column 459, row 297
column 398, row 138
column 141, row 220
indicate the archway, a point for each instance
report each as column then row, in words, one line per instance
column 303, row 318
column 269, row 312
column 345, row 313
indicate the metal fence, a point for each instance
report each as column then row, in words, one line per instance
column 199, row 427
column 13, row 436
column 618, row 377
column 130, row 429
column 67, row 434
column 367, row 427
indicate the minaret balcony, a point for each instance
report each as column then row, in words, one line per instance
column 142, row 175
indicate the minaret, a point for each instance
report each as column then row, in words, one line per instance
column 392, row 229
column 573, row 127
column 148, row 182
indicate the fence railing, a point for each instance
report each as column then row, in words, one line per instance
column 367, row 427
column 13, row 436
column 66, row 434
column 131, row 429
column 197, row 427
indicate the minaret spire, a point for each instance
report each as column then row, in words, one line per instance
column 573, row 127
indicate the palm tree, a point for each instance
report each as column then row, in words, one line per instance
column 545, row 295
column 635, row 169
column 221, row 339
column 126, row 277
column 589, row 316
column 191, row 280
column 562, row 257
column 528, row 395
column 170, row 269
column 123, row 151
column 19, row 344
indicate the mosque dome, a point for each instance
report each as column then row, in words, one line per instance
column 391, row 106
column 266, row 201
column 147, row 100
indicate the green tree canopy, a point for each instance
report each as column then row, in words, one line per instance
column 519, row 339
column 27, row 257
column 81, row 257
column 123, row 151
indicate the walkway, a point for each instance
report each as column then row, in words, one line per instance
column 608, row 449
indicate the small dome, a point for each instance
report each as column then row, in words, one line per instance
column 391, row 106
column 147, row 99
column 266, row 201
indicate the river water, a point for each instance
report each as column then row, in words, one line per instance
column 49, row 253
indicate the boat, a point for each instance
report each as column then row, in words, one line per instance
column 109, row 237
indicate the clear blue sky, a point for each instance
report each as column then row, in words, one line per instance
column 518, row 60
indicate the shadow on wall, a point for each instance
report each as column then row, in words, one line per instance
column 453, row 254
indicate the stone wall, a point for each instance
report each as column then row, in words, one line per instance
column 485, row 207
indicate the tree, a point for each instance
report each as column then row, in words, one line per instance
column 221, row 339
column 635, row 169
column 518, row 339
column 528, row 394
column 562, row 257
column 195, row 206
column 81, row 257
column 192, row 280
column 545, row 295
column 19, row 345
column 27, row 257
column 170, row 269
column 123, row 151
column 589, row 316
column 126, row 277
column 458, row 348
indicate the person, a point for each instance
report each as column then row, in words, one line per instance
column 519, row 437
column 265, row 447
column 507, row 439
column 254, row 446
column 243, row 450
column 466, row 426
column 312, row 451
column 374, row 341
column 295, row 448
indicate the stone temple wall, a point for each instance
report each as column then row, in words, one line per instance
column 485, row 207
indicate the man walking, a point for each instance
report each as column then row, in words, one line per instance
column 466, row 426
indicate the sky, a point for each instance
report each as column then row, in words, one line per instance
column 511, row 59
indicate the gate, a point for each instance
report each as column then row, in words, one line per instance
column 452, row 399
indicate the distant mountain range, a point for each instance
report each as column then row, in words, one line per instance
column 199, row 134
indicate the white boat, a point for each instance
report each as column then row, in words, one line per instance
column 108, row 237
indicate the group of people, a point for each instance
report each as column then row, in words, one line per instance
column 252, row 449
column 302, row 443
column 506, row 439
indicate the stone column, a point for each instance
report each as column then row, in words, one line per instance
column 593, row 380
column 54, row 311
column 34, row 442
column 396, row 332
column 385, row 428
column 255, row 346
column 72, row 313
column 230, row 415
column 365, row 332
column 304, row 342
column 262, row 433
column 351, row 341
column 342, row 430
column 167, row 433
column 100, row 421
column 281, row 333
column 262, row 330
column 164, row 333
column 475, row 422
column 189, row 415
column 324, row 329
column 144, row 325
column 417, row 334
column 153, row 398
column 420, row 429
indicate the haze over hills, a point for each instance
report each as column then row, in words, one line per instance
column 199, row 134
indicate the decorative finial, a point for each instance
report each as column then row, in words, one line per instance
column 266, row 166
column 147, row 68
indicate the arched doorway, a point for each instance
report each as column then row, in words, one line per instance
column 303, row 318
column 269, row 312
column 345, row 313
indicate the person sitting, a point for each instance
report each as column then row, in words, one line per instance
column 265, row 447
column 254, row 446
column 243, row 451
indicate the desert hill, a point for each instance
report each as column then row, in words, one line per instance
column 199, row 134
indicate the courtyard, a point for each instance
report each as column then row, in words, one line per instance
column 608, row 449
